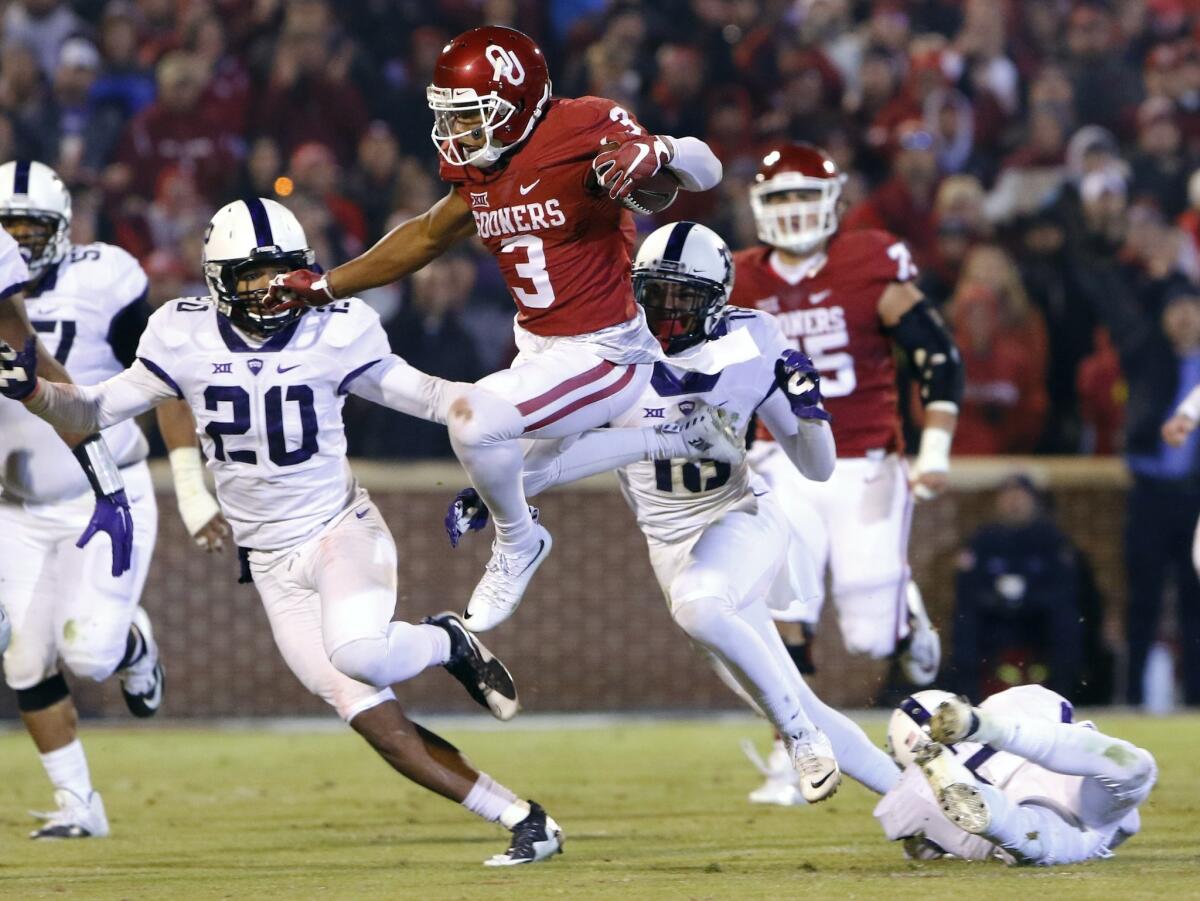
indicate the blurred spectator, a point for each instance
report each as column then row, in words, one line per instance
column 260, row 170
column 1106, row 88
column 374, row 182
column 961, row 223
column 1154, row 320
column 309, row 98
column 123, row 83
column 406, row 109
column 1159, row 168
column 41, row 25
column 677, row 107
column 1016, row 608
column 1004, row 399
column 176, row 130
column 903, row 204
column 22, row 92
column 1102, row 394
column 1189, row 219
column 227, row 93
column 428, row 333
column 316, row 174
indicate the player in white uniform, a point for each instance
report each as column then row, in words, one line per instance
column 718, row 539
column 89, row 304
column 267, row 389
column 1014, row 779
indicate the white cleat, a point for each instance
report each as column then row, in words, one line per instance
column 812, row 758
column 75, row 818
column 710, row 435
column 504, row 581
column 782, row 784
column 921, row 657
column 534, row 839
column 953, row 721
column 955, row 788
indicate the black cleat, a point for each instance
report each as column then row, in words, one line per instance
column 535, row 838
column 485, row 678
column 144, row 680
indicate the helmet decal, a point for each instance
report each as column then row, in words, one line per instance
column 505, row 64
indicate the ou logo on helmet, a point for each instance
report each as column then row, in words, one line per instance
column 505, row 64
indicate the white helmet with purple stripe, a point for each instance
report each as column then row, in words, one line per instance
column 244, row 239
column 908, row 727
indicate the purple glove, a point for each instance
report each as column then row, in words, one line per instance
column 18, row 370
column 468, row 513
column 112, row 516
column 800, row 383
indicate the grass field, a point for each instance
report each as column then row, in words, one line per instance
column 651, row 810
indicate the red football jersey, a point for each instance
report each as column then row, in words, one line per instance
column 833, row 316
column 563, row 248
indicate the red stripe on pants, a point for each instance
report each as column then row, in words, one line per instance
column 584, row 378
column 584, row 401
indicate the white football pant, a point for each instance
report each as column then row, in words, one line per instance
column 63, row 601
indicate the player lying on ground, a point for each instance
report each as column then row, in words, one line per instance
column 542, row 181
column 65, row 602
column 267, row 390
column 847, row 298
column 1013, row 779
column 717, row 537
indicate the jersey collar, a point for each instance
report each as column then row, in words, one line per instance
column 236, row 343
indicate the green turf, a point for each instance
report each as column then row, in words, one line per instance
column 650, row 811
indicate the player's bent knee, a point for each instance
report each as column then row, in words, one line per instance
column 350, row 701
column 45, row 694
column 704, row 619
column 88, row 667
column 361, row 660
column 479, row 418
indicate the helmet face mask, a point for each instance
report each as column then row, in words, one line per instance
column 795, row 198
column 37, row 234
column 464, row 127
column 679, row 308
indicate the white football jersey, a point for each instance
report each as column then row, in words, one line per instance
column 269, row 417
column 74, row 310
column 674, row 498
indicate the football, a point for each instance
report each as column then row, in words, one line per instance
column 654, row 194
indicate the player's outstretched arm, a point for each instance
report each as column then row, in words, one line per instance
column 402, row 251
column 197, row 508
column 393, row 383
column 933, row 356
column 796, row 419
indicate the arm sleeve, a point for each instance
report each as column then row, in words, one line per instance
column 83, row 410
column 391, row 382
column 808, row 443
column 695, row 164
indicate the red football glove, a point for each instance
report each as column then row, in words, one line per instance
column 300, row 288
column 619, row 170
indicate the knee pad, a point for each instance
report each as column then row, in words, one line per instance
column 478, row 418
column 45, row 694
column 361, row 659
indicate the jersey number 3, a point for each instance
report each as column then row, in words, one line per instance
column 239, row 398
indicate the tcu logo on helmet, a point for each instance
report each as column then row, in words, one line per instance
column 505, row 64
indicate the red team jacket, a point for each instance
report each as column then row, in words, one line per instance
column 563, row 247
column 833, row 316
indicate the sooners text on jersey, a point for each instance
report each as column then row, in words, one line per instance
column 562, row 246
column 833, row 316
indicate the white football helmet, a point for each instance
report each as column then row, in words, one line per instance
column 33, row 192
column 243, row 236
column 908, row 726
column 682, row 277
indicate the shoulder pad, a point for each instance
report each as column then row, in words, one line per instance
column 345, row 321
column 175, row 323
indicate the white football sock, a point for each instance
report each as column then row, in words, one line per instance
column 495, row 803
column 68, row 768
column 485, row 436
column 857, row 757
column 1066, row 748
column 727, row 635
column 396, row 656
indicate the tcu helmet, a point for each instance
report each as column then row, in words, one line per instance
column 243, row 236
column 908, row 726
column 682, row 277
column 32, row 190
column 495, row 78
column 796, row 223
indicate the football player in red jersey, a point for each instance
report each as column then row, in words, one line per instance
column 543, row 181
column 847, row 299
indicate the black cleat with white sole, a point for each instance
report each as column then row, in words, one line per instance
column 482, row 674
column 535, row 838
column 144, row 680
column 146, row 703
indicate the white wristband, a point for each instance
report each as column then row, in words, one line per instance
column 934, row 455
column 196, row 506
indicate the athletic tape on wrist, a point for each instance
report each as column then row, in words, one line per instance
column 934, row 455
column 99, row 466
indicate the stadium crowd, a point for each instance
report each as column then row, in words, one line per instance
column 1037, row 157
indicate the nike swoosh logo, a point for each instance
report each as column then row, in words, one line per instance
column 824, row 779
column 534, row 559
column 819, row 296
column 288, row 368
column 759, row 493
column 362, row 514
column 525, row 189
